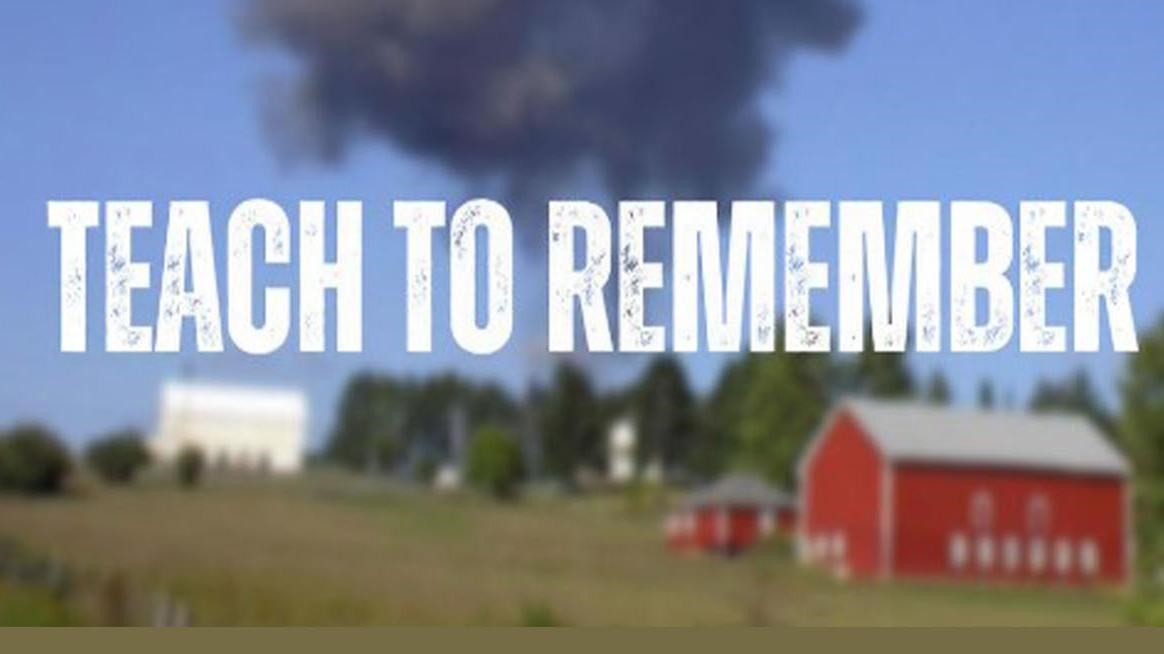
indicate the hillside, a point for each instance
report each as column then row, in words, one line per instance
column 335, row 550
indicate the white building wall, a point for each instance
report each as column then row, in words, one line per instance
column 245, row 428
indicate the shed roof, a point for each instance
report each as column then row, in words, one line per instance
column 914, row 431
column 739, row 490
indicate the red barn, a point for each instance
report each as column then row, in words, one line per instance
column 894, row 489
column 730, row 516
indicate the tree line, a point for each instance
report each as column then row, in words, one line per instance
column 757, row 416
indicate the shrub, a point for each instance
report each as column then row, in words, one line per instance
column 118, row 457
column 539, row 614
column 1145, row 606
column 495, row 463
column 190, row 465
column 32, row 461
column 32, row 607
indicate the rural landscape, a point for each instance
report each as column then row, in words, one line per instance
column 445, row 501
column 504, row 313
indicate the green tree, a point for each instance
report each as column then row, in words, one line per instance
column 874, row 374
column 570, row 423
column 495, row 462
column 665, row 414
column 938, row 389
column 372, row 416
column 33, row 461
column 883, row 375
column 190, row 466
column 721, row 417
column 784, row 403
column 118, row 458
column 1142, row 395
column 986, row 395
column 1141, row 430
column 382, row 419
column 1075, row 394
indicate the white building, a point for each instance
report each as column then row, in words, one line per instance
column 447, row 478
column 620, row 451
column 235, row 427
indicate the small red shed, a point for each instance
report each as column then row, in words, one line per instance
column 730, row 516
column 899, row 489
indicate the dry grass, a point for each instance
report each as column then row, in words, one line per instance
column 329, row 550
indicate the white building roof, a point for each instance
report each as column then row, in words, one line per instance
column 206, row 398
column 913, row 431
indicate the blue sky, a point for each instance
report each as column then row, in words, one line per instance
column 947, row 100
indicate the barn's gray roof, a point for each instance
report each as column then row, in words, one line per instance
column 913, row 431
column 739, row 490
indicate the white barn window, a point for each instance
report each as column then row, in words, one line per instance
column 1011, row 553
column 981, row 510
column 1038, row 514
column 984, row 552
column 1063, row 557
column 1088, row 557
column 1037, row 555
column 959, row 551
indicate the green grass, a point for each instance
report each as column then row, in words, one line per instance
column 26, row 607
column 339, row 551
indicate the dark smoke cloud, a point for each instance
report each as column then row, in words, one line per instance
column 646, row 94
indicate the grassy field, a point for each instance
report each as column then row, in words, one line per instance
column 332, row 550
column 25, row 607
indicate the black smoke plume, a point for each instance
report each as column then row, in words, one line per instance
column 644, row 95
